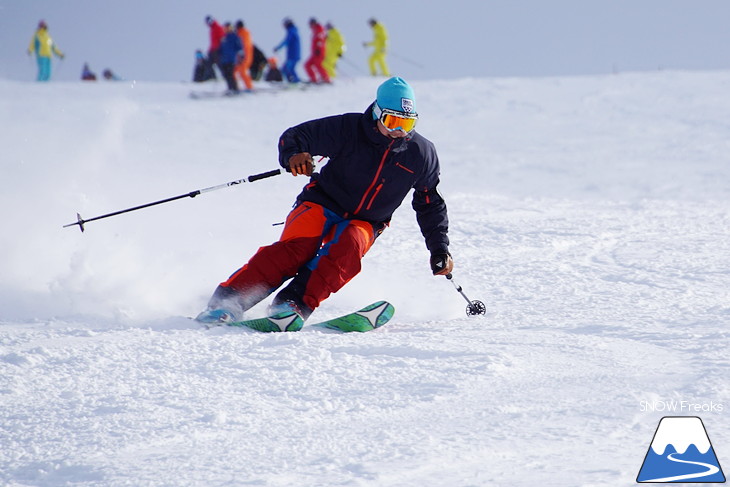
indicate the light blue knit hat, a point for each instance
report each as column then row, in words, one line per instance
column 396, row 94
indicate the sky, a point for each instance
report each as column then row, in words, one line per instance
column 143, row 40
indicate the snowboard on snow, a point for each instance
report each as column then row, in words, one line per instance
column 368, row 318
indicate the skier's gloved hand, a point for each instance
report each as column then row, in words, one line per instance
column 441, row 264
column 301, row 164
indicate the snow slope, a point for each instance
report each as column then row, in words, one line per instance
column 590, row 214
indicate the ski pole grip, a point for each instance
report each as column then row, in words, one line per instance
column 264, row 175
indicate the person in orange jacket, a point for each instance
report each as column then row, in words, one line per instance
column 243, row 69
column 313, row 66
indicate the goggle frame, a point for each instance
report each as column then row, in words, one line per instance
column 384, row 113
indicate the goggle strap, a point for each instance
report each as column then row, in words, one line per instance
column 380, row 111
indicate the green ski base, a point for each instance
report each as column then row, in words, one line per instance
column 368, row 318
column 285, row 321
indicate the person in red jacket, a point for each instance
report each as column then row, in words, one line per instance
column 313, row 66
column 217, row 33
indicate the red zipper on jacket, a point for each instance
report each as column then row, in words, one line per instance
column 374, row 181
column 375, row 194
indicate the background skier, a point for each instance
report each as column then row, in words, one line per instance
column 258, row 64
column 230, row 52
column 313, row 66
column 380, row 47
column 243, row 70
column 203, row 70
column 375, row 159
column 334, row 49
column 216, row 37
column 43, row 46
column 273, row 74
column 293, row 51
column 87, row 74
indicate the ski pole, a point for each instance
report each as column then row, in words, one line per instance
column 474, row 307
column 254, row 177
column 351, row 63
column 409, row 61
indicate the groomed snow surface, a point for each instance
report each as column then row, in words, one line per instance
column 590, row 214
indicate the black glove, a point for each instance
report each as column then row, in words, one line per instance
column 441, row 264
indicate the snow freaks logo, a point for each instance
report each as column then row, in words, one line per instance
column 680, row 452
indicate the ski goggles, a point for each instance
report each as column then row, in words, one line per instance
column 394, row 120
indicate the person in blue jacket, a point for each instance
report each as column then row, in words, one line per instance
column 293, row 51
column 230, row 50
column 376, row 159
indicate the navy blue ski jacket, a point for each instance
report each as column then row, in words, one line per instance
column 368, row 175
column 230, row 47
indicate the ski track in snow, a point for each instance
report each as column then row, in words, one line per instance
column 590, row 214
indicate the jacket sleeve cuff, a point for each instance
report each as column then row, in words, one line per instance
column 440, row 250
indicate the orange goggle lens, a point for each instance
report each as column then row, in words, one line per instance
column 398, row 121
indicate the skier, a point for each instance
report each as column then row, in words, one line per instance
column 313, row 66
column 273, row 74
column 230, row 51
column 87, row 74
column 293, row 51
column 43, row 46
column 109, row 75
column 258, row 64
column 380, row 46
column 243, row 70
column 375, row 159
column 203, row 70
column 334, row 49
column 216, row 37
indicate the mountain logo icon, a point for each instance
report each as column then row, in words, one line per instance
column 680, row 452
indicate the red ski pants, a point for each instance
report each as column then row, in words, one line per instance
column 320, row 250
column 315, row 70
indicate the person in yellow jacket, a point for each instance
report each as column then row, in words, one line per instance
column 334, row 49
column 380, row 46
column 43, row 46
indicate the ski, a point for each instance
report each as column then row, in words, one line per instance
column 201, row 95
column 284, row 321
column 207, row 95
column 368, row 318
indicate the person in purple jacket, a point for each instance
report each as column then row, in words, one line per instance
column 375, row 159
